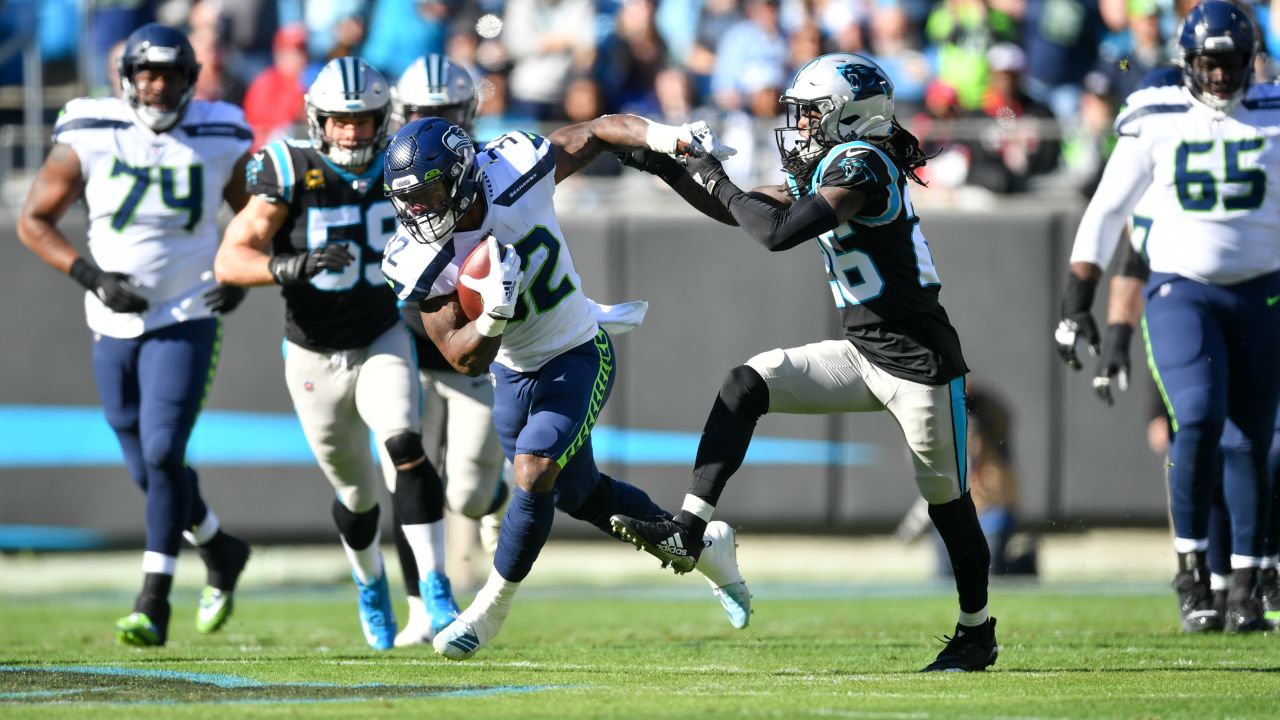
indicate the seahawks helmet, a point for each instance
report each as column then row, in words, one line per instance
column 156, row 46
column 344, row 87
column 1225, row 30
column 432, row 85
column 844, row 96
column 429, row 171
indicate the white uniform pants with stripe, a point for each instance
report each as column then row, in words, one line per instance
column 344, row 395
column 833, row 376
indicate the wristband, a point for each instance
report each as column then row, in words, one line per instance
column 489, row 326
column 661, row 138
column 85, row 273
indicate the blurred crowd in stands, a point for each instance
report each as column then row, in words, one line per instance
column 1011, row 93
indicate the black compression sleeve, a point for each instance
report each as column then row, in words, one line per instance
column 777, row 227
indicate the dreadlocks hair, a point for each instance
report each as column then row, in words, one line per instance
column 900, row 145
column 905, row 150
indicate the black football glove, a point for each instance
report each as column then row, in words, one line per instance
column 297, row 268
column 116, row 290
column 222, row 299
column 1113, row 367
column 1077, row 322
column 705, row 170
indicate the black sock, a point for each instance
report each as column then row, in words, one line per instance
column 357, row 530
column 154, row 599
column 742, row 400
column 1243, row 583
column 224, row 557
column 957, row 523
column 408, row 565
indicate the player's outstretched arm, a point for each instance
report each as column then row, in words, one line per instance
column 1124, row 311
column 772, row 218
column 576, row 145
column 459, row 341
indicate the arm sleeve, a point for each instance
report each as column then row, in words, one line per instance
column 1125, row 179
column 677, row 178
column 775, row 226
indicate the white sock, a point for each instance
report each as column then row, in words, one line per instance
column 159, row 563
column 975, row 619
column 367, row 562
column 204, row 532
column 1245, row 562
column 1270, row 561
column 427, row 541
column 1190, row 545
column 494, row 597
column 1219, row 582
column 695, row 505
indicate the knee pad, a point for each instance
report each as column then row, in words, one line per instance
column 745, row 392
column 404, row 448
column 357, row 529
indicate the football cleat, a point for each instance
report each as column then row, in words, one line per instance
column 437, row 596
column 471, row 631
column 1269, row 592
column 719, row 565
column 145, row 629
column 225, row 568
column 214, row 609
column 667, row 540
column 1195, row 604
column 377, row 618
column 971, row 649
column 418, row 630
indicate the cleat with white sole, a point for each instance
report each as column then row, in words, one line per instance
column 471, row 631
column 719, row 565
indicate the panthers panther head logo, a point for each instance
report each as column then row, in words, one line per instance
column 863, row 79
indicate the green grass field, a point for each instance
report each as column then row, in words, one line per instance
column 844, row 650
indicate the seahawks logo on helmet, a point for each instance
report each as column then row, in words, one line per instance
column 864, row 80
column 455, row 140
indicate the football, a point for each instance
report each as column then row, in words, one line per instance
column 476, row 266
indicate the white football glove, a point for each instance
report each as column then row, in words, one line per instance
column 500, row 289
column 706, row 140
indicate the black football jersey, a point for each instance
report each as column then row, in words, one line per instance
column 881, row 272
column 336, row 310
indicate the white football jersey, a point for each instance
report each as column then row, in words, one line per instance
column 517, row 177
column 153, row 201
column 1203, row 187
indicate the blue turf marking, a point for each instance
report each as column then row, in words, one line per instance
column 34, row 438
column 215, row 679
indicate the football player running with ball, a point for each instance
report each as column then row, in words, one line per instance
column 153, row 167
column 432, row 86
column 1198, row 156
column 847, row 162
column 316, row 225
column 553, row 363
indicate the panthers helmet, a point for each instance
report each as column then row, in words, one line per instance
column 844, row 97
column 1223, row 29
column 348, row 86
column 161, row 47
column 432, row 85
column 429, row 171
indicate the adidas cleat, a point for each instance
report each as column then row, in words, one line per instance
column 418, row 630
column 214, row 609
column 464, row 637
column 437, row 596
column 971, row 649
column 1195, row 604
column 719, row 565
column 377, row 618
column 664, row 539
column 138, row 630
